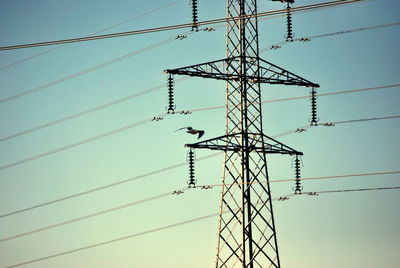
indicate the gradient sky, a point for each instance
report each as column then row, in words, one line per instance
column 360, row 229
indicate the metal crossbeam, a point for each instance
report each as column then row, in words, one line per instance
column 225, row 143
column 268, row 73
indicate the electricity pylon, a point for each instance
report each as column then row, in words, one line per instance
column 247, row 235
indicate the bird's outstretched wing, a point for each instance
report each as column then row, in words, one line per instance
column 201, row 133
column 183, row 128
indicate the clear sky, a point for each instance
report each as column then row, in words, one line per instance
column 358, row 229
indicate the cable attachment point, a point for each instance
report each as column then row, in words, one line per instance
column 313, row 98
column 195, row 24
column 181, row 37
column 171, row 105
column 190, row 159
column 297, row 187
column 209, row 29
column 299, row 130
column 177, row 192
column 283, row 198
column 274, row 47
column 289, row 22
column 305, row 39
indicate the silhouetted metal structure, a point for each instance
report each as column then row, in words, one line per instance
column 289, row 19
column 289, row 22
column 313, row 100
column 195, row 17
column 192, row 179
column 171, row 106
column 246, row 236
column 297, row 187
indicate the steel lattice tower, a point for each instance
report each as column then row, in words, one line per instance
column 246, row 235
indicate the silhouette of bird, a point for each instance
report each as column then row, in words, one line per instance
column 193, row 131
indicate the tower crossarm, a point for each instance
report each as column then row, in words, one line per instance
column 257, row 143
column 212, row 69
column 268, row 72
column 273, row 74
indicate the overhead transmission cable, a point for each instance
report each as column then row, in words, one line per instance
column 64, row 198
column 158, row 87
column 357, row 30
column 54, row 201
column 114, row 240
column 118, row 59
column 88, row 111
column 180, row 26
column 152, row 89
column 303, row 97
column 100, row 31
column 91, row 69
column 72, row 145
column 309, row 178
column 155, row 118
column 180, row 191
column 366, row 119
column 103, row 187
column 309, row 38
column 165, row 227
column 354, row 190
column 88, row 216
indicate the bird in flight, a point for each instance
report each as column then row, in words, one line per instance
column 193, row 131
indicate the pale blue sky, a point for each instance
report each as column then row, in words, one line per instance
column 333, row 230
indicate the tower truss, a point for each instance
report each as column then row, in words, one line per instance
column 246, row 234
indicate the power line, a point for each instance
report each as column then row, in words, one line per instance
column 96, row 67
column 63, row 79
column 314, row 178
column 85, row 112
column 149, row 90
column 54, row 201
column 63, row 148
column 96, row 244
column 366, row 119
column 114, row 240
column 355, row 30
column 100, row 31
column 332, row 123
column 309, row 38
column 335, row 93
column 178, row 26
column 110, row 185
column 165, row 227
column 170, row 193
column 355, row 190
column 161, row 116
column 316, row 193
column 305, row 96
column 91, row 69
column 88, row 216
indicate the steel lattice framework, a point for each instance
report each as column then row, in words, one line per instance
column 246, row 235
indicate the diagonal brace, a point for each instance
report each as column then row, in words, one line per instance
column 268, row 72
column 257, row 143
